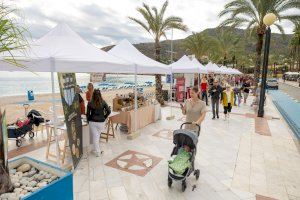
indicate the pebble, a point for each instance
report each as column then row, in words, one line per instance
column 31, row 173
column 24, row 182
column 28, row 188
column 19, row 175
column 32, row 183
column 48, row 176
column 24, row 168
column 18, row 190
column 41, row 184
column 41, row 177
column 16, row 184
column 24, row 192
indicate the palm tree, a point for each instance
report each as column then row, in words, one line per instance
column 11, row 33
column 157, row 25
column 250, row 13
column 198, row 44
column 229, row 46
column 11, row 38
column 295, row 46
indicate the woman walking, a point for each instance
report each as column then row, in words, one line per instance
column 97, row 112
column 194, row 109
column 227, row 101
column 203, row 87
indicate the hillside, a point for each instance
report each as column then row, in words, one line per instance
column 279, row 44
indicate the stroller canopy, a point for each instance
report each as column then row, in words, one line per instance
column 185, row 137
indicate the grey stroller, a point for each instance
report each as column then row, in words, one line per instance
column 183, row 137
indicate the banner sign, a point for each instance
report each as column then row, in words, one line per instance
column 71, row 107
column 3, row 143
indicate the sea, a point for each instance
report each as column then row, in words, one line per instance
column 19, row 84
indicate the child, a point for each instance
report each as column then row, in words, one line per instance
column 182, row 160
column 227, row 100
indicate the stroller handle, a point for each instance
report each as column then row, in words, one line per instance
column 193, row 124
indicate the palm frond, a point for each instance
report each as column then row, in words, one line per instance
column 140, row 23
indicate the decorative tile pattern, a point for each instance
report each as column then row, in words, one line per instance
column 134, row 162
column 262, row 127
column 260, row 197
column 261, row 124
column 165, row 134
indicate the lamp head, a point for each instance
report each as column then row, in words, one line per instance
column 269, row 19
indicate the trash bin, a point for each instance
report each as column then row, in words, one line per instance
column 30, row 95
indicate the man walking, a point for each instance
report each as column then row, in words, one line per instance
column 215, row 92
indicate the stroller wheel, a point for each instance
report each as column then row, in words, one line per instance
column 31, row 134
column 183, row 186
column 18, row 142
column 197, row 173
column 170, row 182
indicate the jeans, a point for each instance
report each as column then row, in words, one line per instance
column 215, row 106
column 95, row 129
column 204, row 95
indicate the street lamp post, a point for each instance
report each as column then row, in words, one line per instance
column 268, row 20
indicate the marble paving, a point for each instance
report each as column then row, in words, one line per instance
column 235, row 162
column 165, row 134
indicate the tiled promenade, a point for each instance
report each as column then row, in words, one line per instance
column 244, row 158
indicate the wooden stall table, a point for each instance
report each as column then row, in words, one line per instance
column 145, row 115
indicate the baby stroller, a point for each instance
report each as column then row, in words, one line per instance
column 19, row 132
column 183, row 137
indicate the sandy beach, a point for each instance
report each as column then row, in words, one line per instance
column 14, row 104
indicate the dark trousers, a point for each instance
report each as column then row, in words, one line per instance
column 215, row 106
column 204, row 95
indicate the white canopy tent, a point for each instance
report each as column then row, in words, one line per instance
column 212, row 68
column 224, row 70
column 62, row 50
column 145, row 65
column 202, row 69
column 184, row 65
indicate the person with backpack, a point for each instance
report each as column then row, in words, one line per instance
column 97, row 113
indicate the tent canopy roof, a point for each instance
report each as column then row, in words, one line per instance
column 184, row 65
column 145, row 65
column 211, row 67
column 202, row 69
column 69, row 52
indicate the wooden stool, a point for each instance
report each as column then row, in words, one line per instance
column 106, row 134
column 62, row 144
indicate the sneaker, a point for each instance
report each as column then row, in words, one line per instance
column 213, row 117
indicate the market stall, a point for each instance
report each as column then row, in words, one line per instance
column 143, row 65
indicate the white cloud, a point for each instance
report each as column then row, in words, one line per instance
column 105, row 22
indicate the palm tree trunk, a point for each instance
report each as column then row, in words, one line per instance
column 158, row 85
column 259, row 44
column 6, row 185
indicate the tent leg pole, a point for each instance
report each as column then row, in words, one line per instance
column 54, row 112
column 134, row 134
column 171, row 99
